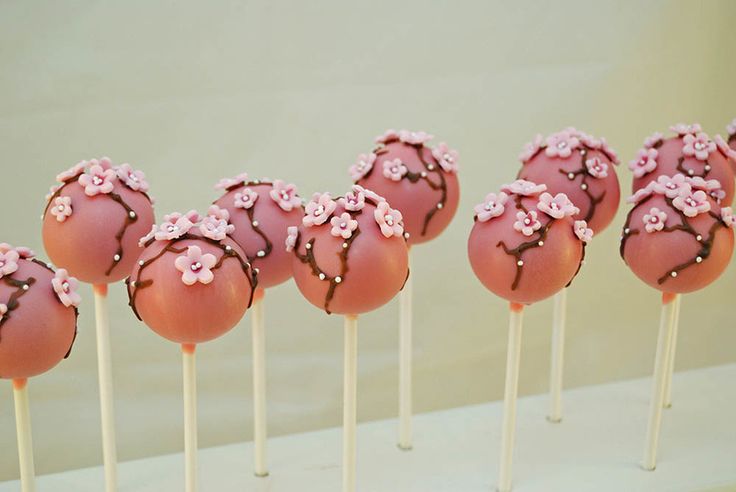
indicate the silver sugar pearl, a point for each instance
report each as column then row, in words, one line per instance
column 698, row 259
column 439, row 206
column 520, row 263
column 261, row 254
column 116, row 257
column 131, row 214
column 321, row 276
column 673, row 274
column 338, row 280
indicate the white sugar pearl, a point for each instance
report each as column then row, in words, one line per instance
column 321, row 276
column 261, row 254
column 698, row 259
column 699, row 237
column 584, row 186
column 570, row 175
column 338, row 280
column 439, row 206
column 344, row 245
column 25, row 287
column 131, row 214
column 255, row 223
column 673, row 274
column 707, row 168
column 116, row 257
column 541, row 243
column 308, row 246
column 141, row 262
column 520, row 263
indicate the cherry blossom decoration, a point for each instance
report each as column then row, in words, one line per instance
column 62, row 208
column 731, row 127
column 291, row 237
column 582, row 231
column 362, row 166
column 558, row 206
column 692, row 203
column 285, row 195
column 389, row 220
column 446, row 157
column 174, row 226
column 654, row 220
column 671, row 187
column 645, row 162
column 492, row 206
column 72, row 172
column 561, row 144
column 527, row 223
column 133, row 179
column 414, row 138
column 724, row 148
column 596, row 168
column 354, row 200
column 531, row 148
column 652, row 140
column 641, row 193
column 319, row 209
column 394, row 170
column 66, row 288
column 23, row 252
column 343, row 226
column 245, row 198
column 699, row 146
column 682, row 129
column 195, row 266
column 728, row 217
column 524, row 188
column 215, row 228
column 226, row 183
column 8, row 262
column 98, row 180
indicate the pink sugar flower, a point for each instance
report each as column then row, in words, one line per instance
column 72, row 172
column 671, row 186
column 319, row 209
column 531, row 148
column 724, row 148
column 151, row 234
column 527, row 223
column 731, row 127
column 52, row 191
column 192, row 215
column 291, row 237
column 218, row 213
column 728, row 217
column 683, row 129
column 8, row 262
column 394, row 170
column 590, row 141
column 389, row 220
column 492, row 206
column 61, row 208
column 214, row 228
column 369, row 194
column 558, row 206
column 699, row 146
column 608, row 150
column 343, row 226
column 652, row 140
column 354, row 200
column 98, row 180
column 245, row 198
column 641, row 193
column 596, row 168
column 362, row 166
column 195, row 266
column 104, row 162
column 173, row 227
column 25, row 253
column 446, row 157
column 523, row 187
column 692, row 203
column 387, row 137
column 654, row 220
column 133, row 179
column 226, row 183
column 645, row 162
column 561, row 144
column 414, row 138
column 285, row 195
column 582, row 231
column 66, row 288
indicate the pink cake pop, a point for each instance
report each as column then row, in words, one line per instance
column 93, row 219
column 262, row 211
column 691, row 153
column 350, row 255
column 418, row 180
column 580, row 166
column 192, row 283
column 525, row 245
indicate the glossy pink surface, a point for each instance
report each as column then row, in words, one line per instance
column 652, row 256
column 415, row 200
column 553, row 171
column 37, row 334
column 190, row 313
column 273, row 221
column 546, row 269
column 377, row 266
column 85, row 242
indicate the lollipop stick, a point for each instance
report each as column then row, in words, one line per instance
column 259, row 384
column 25, row 443
column 558, row 356
column 673, row 348
column 104, row 370
column 190, row 415
column 660, row 368
column 405, row 364
column 349, row 414
column 513, row 353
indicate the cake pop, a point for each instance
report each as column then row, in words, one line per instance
column 261, row 211
column 677, row 240
column 38, row 325
column 350, row 257
column 191, row 284
column 691, row 153
column 524, row 246
column 420, row 181
column 93, row 218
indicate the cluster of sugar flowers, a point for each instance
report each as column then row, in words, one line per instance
column 284, row 194
column 215, row 226
column 527, row 222
column 562, row 144
column 395, row 169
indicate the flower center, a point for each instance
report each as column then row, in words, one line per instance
column 527, row 221
column 561, row 144
column 448, row 158
column 172, row 228
column 389, row 219
column 133, row 177
column 61, row 208
column 699, row 145
column 320, row 210
column 196, row 267
column 691, row 202
column 490, row 205
column 65, row 286
column 285, row 195
column 97, row 180
column 654, row 219
column 643, row 162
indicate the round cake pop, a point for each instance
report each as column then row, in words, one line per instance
column 525, row 245
column 38, row 314
column 350, row 255
column 261, row 211
column 418, row 180
column 691, row 153
column 676, row 237
column 580, row 166
column 93, row 219
column 192, row 283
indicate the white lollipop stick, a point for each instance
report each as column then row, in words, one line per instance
column 190, row 415
column 660, row 373
column 104, row 371
column 513, row 355
column 350, row 397
column 25, row 442
column 558, row 356
column 673, row 348
column 405, row 364
column 259, row 384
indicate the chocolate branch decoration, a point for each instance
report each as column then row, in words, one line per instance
column 583, row 171
column 268, row 248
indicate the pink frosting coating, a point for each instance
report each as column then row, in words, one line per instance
column 653, row 251
column 85, row 242
column 669, row 153
column 196, row 313
column 585, row 173
column 273, row 222
column 415, row 199
column 39, row 332
column 377, row 265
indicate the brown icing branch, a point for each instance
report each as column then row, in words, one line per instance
column 130, row 218
column 21, row 286
column 268, row 249
column 518, row 251
column 583, row 171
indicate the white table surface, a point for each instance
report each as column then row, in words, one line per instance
column 596, row 447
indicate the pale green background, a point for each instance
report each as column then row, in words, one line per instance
column 194, row 91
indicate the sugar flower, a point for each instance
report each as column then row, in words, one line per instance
column 446, row 157
column 641, row 193
column 354, row 200
column 173, row 227
column 654, row 220
column 52, row 191
column 218, row 213
column 291, row 237
column 531, row 148
column 683, row 129
column 8, row 262
column 699, row 146
column 61, row 208
column 492, row 206
column 596, row 168
column 645, row 162
column 524, row 188
column 394, row 169
column 133, row 179
column 387, row 137
column 731, row 127
column 561, row 144
column 692, row 203
column 389, row 220
column 362, row 166
column 582, row 231
column 245, row 198
column 151, row 234
column 226, row 183
column 285, row 195
column 728, row 217
column 558, row 206
column 72, row 172
column 66, row 288
column 215, row 228
column 414, row 138
column 343, row 226
column 195, row 266
column 590, row 141
column 319, row 209
column 98, row 180
column 652, row 140
column 608, row 150
column 671, row 186
column 527, row 223
column 724, row 148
